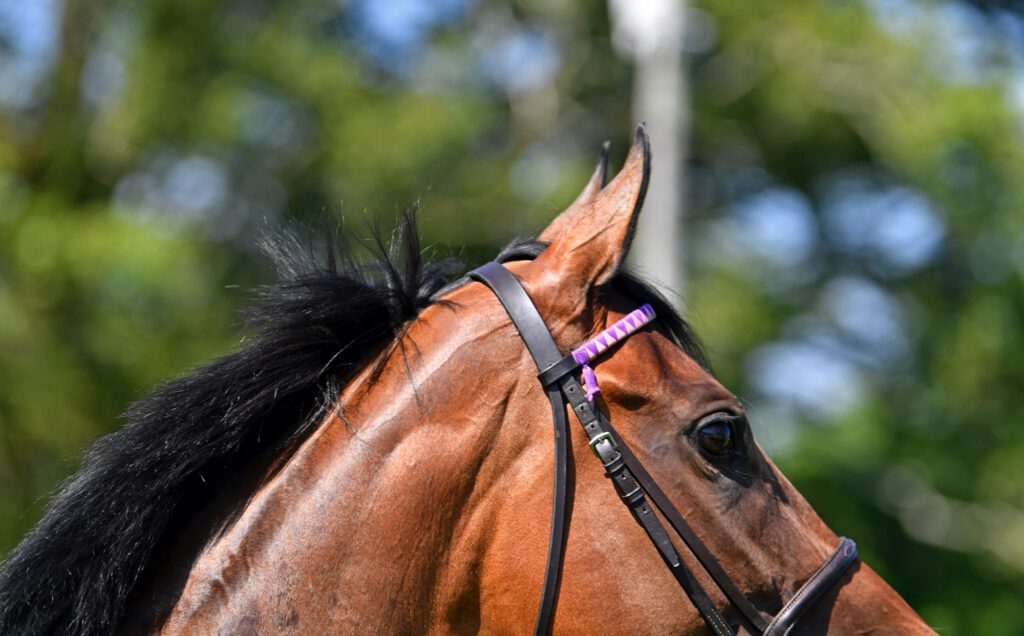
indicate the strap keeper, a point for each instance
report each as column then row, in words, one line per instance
column 614, row 467
column 633, row 497
column 557, row 371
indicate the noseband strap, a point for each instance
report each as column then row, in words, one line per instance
column 632, row 482
column 826, row 576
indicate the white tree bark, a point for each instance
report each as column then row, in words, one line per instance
column 651, row 33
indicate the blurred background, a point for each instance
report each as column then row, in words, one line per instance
column 842, row 184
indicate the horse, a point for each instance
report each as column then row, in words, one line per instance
column 377, row 458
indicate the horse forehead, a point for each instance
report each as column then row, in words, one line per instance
column 649, row 356
column 651, row 363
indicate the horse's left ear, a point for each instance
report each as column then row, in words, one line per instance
column 590, row 239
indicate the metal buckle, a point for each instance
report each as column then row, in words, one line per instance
column 600, row 437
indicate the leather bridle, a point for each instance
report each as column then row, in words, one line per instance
column 634, row 485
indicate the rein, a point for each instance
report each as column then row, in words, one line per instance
column 632, row 482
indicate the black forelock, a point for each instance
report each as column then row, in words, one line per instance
column 311, row 332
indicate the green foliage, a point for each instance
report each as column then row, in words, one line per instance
column 137, row 167
column 922, row 471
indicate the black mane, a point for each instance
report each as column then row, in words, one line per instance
column 74, row 572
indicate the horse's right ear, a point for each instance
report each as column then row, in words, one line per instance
column 590, row 239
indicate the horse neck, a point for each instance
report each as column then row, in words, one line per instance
column 386, row 504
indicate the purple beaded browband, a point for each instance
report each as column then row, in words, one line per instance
column 605, row 340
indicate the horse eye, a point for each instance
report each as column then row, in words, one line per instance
column 716, row 437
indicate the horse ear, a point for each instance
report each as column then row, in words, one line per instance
column 585, row 198
column 590, row 239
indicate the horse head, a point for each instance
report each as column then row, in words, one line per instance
column 685, row 430
column 420, row 500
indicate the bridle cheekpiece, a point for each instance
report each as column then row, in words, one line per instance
column 632, row 482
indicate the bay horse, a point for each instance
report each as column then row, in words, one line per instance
column 376, row 458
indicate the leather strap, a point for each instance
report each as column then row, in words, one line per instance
column 549, row 360
column 556, row 371
column 690, row 538
column 827, row 575
column 524, row 315
column 542, row 347
column 633, row 484
column 609, row 450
